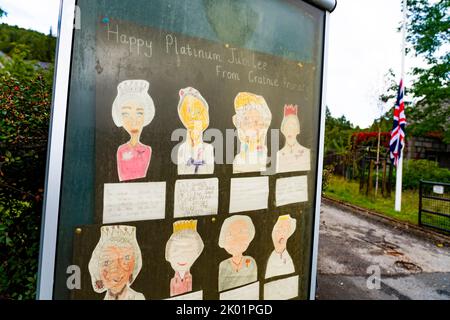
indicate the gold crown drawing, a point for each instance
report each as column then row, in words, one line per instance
column 184, row 225
column 133, row 87
column 245, row 98
column 284, row 218
column 115, row 233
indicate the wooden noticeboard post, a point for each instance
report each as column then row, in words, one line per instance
column 186, row 151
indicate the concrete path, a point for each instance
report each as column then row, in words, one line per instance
column 410, row 266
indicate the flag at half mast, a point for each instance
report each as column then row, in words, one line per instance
column 398, row 130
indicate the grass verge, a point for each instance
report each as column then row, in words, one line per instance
column 348, row 191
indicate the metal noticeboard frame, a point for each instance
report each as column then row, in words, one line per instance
column 49, row 227
column 57, row 134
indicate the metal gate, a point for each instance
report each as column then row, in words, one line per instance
column 434, row 205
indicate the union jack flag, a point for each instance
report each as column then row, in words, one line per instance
column 398, row 130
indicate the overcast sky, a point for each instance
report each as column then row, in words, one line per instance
column 364, row 44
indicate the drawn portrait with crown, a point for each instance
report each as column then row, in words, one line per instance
column 194, row 155
column 115, row 263
column 182, row 249
column 252, row 121
column 280, row 261
column 133, row 109
column 293, row 156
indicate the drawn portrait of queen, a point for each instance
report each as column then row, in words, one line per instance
column 182, row 249
column 252, row 121
column 280, row 261
column 133, row 109
column 236, row 234
column 115, row 263
column 194, row 155
column 293, row 156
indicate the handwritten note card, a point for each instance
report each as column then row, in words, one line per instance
column 196, row 197
column 249, row 194
column 124, row 202
column 291, row 190
column 250, row 292
column 284, row 289
column 197, row 295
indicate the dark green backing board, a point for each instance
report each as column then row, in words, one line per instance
column 93, row 154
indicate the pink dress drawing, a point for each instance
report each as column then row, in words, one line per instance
column 133, row 162
column 180, row 285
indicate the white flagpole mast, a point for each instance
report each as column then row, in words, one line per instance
column 399, row 176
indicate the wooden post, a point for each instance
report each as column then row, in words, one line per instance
column 369, row 179
column 389, row 182
column 383, row 188
column 362, row 173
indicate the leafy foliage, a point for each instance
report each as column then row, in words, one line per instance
column 327, row 174
column 370, row 139
column 428, row 33
column 338, row 132
column 37, row 46
column 16, row 66
column 25, row 112
column 416, row 170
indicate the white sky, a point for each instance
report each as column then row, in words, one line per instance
column 364, row 44
column 38, row 15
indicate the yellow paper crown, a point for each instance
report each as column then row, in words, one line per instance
column 245, row 98
column 284, row 218
column 184, row 225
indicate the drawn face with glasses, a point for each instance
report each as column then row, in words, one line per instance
column 116, row 267
column 237, row 237
column 252, row 125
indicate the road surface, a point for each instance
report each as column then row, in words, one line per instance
column 410, row 266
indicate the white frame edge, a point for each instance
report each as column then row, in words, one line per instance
column 49, row 230
column 315, row 249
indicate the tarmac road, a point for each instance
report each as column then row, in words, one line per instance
column 411, row 266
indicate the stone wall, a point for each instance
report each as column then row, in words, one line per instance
column 428, row 149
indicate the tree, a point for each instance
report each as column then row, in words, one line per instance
column 2, row 13
column 39, row 46
column 428, row 33
column 338, row 132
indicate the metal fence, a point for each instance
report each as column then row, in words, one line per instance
column 434, row 205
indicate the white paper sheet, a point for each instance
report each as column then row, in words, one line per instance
column 123, row 202
column 197, row 295
column 283, row 289
column 250, row 292
column 291, row 190
column 249, row 194
column 196, row 197
column 438, row 189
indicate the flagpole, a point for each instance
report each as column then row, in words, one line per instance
column 399, row 175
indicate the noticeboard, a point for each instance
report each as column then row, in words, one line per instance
column 191, row 152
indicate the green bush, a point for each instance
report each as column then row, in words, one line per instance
column 24, row 119
column 327, row 174
column 416, row 170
